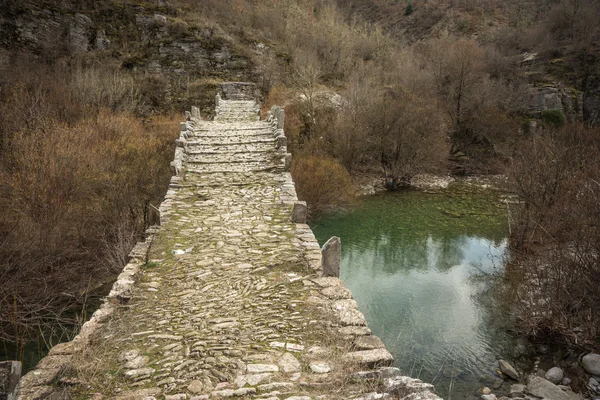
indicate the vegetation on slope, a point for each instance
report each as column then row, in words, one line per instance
column 78, row 172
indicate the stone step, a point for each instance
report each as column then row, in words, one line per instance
column 224, row 158
column 238, row 118
column 232, row 151
column 229, row 168
column 253, row 133
column 231, row 140
column 216, row 125
column 237, row 109
column 228, row 128
column 241, row 102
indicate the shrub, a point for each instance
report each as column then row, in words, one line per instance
column 554, row 118
column 409, row 9
column 554, row 232
column 74, row 197
column 322, row 182
column 78, row 171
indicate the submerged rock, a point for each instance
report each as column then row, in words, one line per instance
column 451, row 372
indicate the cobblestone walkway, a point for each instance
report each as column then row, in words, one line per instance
column 230, row 302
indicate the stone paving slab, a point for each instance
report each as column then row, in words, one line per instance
column 227, row 298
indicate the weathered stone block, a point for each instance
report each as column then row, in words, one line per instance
column 336, row 293
column 281, row 141
column 239, row 91
column 371, row 358
column 331, row 253
column 10, row 373
column 368, row 343
column 280, row 118
column 36, row 392
column 299, row 212
column 288, row 162
column 405, row 386
column 39, row 377
column 153, row 215
column 195, row 112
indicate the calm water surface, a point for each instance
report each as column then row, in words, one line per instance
column 414, row 262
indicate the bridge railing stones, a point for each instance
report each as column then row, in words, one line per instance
column 331, row 257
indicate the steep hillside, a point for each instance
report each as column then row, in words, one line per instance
column 175, row 61
column 553, row 43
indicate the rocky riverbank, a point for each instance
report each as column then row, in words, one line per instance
column 553, row 384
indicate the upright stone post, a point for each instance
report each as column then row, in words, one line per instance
column 10, row 373
column 218, row 99
column 281, row 141
column 153, row 215
column 195, row 113
column 331, row 255
column 299, row 212
column 280, row 118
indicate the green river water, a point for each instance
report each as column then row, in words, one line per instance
column 415, row 263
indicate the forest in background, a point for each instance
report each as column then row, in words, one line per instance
column 378, row 88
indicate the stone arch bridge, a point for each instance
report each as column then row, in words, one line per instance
column 231, row 295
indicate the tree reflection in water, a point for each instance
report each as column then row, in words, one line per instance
column 408, row 259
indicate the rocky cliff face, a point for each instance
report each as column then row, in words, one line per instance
column 50, row 32
column 567, row 100
column 182, row 63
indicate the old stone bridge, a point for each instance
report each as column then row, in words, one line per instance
column 231, row 296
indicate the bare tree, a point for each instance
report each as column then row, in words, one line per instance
column 305, row 78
